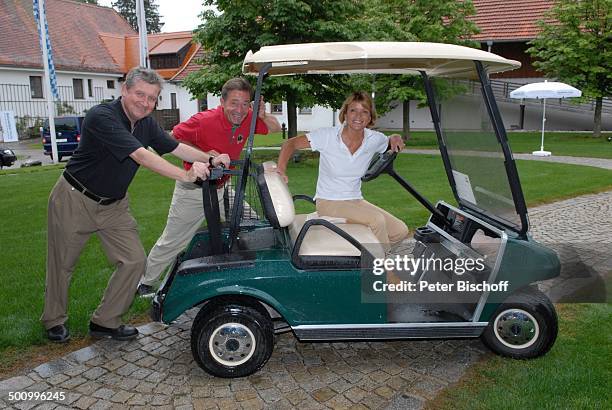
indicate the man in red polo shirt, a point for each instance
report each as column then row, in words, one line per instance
column 224, row 129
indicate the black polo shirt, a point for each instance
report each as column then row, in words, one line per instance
column 102, row 162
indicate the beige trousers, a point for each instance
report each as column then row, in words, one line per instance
column 185, row 217
column 72, row 218
column 386, row 227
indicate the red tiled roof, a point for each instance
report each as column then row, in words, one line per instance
column 509, row 19
column 170, row 46
column 74, row 28
column 190, row 66
column 159, row 41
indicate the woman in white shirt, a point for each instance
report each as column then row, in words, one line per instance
column 345, row 153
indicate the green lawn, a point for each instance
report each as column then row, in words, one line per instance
column 575, row 374
column 559, row 143
column 23, row 231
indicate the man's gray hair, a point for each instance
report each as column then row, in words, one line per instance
column 235, row 84
column 147, row 75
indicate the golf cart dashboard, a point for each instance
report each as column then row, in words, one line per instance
column 460, row 225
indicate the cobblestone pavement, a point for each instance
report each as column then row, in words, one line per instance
column 157, row 369
column 580, row 230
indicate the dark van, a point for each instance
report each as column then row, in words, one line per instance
column 67, row 134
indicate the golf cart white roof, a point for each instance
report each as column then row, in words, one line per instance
column 443, row 60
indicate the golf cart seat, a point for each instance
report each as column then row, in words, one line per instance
column 324, row 241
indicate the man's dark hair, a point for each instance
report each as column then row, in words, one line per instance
column 147, row 75
column 235, row 84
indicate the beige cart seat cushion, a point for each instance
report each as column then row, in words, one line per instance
column 319, row 240
column 282, row 200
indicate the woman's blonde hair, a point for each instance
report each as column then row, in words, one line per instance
column 364, row 99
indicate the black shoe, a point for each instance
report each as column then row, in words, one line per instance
column 58, row 334
column 145, row 291
column 123, row 332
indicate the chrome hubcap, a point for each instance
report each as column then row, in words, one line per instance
column 516, row 328
column 232, row 344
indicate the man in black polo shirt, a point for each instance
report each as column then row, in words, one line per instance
column 91, row 196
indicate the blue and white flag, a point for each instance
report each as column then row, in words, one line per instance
column 37, row 17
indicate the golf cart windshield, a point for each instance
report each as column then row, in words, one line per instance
column 477, row 161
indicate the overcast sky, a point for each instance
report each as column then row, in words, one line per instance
column 177, row 15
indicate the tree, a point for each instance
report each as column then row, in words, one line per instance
column 442, row 21
column 244, row 25
column 127, row 8
column 574, row 46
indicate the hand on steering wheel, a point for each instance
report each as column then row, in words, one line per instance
column 380, row 163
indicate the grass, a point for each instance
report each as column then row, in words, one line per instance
column 23, row 231
column 559, row 143
column 575, row 374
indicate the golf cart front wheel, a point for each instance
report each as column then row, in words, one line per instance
column 523, row 327
column 231, row 340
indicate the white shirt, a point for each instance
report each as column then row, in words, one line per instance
column 340, row 171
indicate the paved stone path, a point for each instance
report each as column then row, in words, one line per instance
column 157, row 369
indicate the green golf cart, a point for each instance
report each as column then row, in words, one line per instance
column 327, row 280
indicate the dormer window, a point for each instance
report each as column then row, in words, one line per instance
column 169, row 53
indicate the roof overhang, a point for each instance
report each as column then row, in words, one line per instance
column 435, row 59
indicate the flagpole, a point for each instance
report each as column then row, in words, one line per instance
column 50, row 107
column 143, row 43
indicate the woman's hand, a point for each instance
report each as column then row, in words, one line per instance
column 396, row 143
column 283, row 175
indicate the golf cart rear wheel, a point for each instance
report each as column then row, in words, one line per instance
column 231, row 340
column 523, row 327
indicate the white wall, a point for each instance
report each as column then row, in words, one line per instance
column 36, row 107
column 420, row 118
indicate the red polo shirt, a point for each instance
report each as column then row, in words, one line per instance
column 210, row 130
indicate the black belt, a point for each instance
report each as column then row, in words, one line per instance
column 79, row 187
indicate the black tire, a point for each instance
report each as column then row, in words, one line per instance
column 247, row 338
column 523, row 327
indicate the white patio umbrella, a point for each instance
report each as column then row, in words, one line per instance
column 543, row 91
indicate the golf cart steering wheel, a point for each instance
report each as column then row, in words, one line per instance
column 380, row 163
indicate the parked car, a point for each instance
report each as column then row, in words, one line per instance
column 7, row 158
column 67, row 133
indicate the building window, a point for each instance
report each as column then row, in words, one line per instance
column 173, row 101
column 77, row 86
column 305, row 111
column 277, row 108
column 110, row 84
column 164, row 61
column 90, row 87
column 36, row 89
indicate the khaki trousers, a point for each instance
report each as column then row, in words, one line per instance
column 72, row 218
column 185, row 217
column 386, row 227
